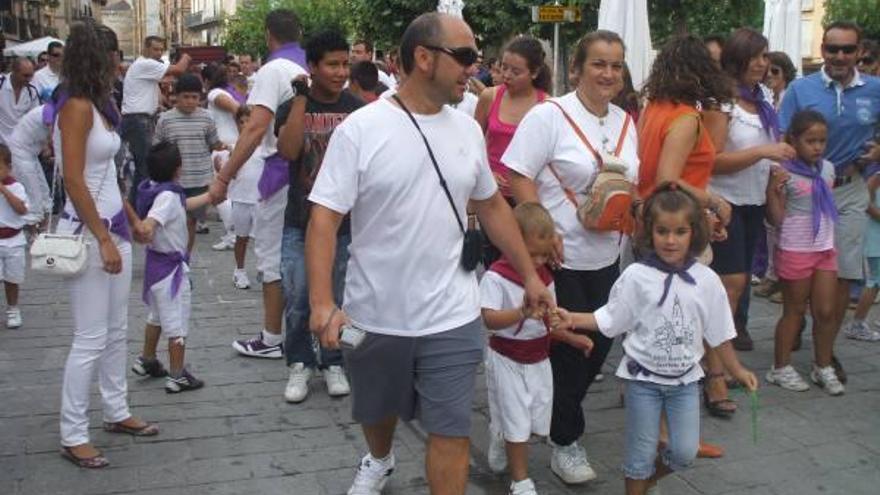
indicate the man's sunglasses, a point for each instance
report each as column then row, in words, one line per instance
column 55, row 54
column 846, row 49
column 465, row 55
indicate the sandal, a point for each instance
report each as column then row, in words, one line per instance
column 715, row 407
column 96, row 462
column 145, row 430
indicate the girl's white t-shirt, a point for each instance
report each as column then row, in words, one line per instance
column 243, row 188
column 498, row 293
column 227, row 131
column 545, row 137
column 666, row 339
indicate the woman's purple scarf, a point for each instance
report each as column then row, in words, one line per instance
column 238, row 97
column 52, row 108
column 823, row 199
column 766, row 112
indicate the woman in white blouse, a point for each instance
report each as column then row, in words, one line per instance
column 748, row 134
column 546, row 157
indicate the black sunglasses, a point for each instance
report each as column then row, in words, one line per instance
column 846, row 49
column 465, row 55
column 55, row 54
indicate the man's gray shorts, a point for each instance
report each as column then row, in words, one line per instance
column 429, row 378
column 849, row 232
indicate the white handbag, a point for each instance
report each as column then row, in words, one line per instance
column 59, row 254
column 64, row 255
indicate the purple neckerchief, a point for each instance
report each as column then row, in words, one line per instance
column 766, row 111
column 654, row 261
column 158, row 265
column 276, row 175
column 238, row 97
column 52, row 108
column 118, row 224
column 290, row 51
column 823, row 199
column 148, row 190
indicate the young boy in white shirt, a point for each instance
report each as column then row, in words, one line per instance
column 13, row 207
column 162, row 205
column 518, row 373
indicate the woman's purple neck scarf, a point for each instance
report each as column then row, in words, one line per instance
column 238, row 97
column 52, row 108
column 823, row 199
column 290, row 51
column 766, row 112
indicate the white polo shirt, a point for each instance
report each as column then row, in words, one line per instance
column 45, row 81
column 140, row 89
column 11, row 111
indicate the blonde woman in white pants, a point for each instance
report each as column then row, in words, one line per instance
column 87, row 143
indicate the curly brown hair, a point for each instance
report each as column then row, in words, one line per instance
column 669, row 197
column 683, row 72
column 89, row 65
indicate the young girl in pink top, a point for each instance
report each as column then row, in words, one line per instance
column 801, row 206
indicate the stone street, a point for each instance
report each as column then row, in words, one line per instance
column 238, row 436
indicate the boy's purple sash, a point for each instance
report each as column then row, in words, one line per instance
column 158, row 265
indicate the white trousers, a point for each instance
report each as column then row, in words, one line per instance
column 99, row 302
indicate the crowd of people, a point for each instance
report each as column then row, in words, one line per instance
column 373, row 191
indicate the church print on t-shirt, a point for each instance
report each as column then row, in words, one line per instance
column 673, row 342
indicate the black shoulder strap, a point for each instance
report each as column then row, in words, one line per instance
column 433, row 161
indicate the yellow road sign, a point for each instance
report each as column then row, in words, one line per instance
column 555, row 13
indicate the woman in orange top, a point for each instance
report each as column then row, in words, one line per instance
column 674, row 145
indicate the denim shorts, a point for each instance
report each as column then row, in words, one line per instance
column 644, row 403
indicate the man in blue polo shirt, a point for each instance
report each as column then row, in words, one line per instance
column 850, row 102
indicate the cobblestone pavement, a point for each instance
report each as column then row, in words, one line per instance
column 238, row 436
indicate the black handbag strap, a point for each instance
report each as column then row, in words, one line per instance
column 433, row 161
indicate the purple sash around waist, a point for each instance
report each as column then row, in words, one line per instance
column 276, row 175
column 158, row 265
column 118, row 224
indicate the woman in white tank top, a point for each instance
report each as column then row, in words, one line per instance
column 86, row 142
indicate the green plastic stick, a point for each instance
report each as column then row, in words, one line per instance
column 754, row 400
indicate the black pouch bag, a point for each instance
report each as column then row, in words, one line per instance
column 472, row 247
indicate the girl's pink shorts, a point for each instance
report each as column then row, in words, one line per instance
column 796, row 265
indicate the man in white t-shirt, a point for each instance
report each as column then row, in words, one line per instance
column 140, row 102
column 46, row 79
column 17, row 96
column 362, row 50
column 416, row 339
column 272, row 87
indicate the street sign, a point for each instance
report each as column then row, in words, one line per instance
column 555, row 13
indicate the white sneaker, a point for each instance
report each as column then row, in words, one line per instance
column 788, row 378
column 570, row 464
column 497, row 453
column 371, row 476
column 240, row 279
column 298, row 384
column 336, row 381
column 859, row 330
column 654, row 490
column 13, row 318
column 225, row 244
column 523, row 487
column 827, row 379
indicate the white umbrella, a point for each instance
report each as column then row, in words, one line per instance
column 782, row 28
column 451, row 7
column 31, row 48
column 629, row 19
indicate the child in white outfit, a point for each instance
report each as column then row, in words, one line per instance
column 518, row 373
column 162, row 205
column 667, row 305
column 13, row 208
